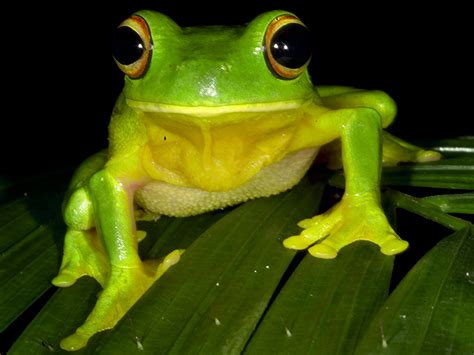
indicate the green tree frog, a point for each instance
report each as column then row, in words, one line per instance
column 210, row 117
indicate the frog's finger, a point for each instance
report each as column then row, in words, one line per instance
column 338, row 238
column 424, row 156
column 327, row 220
column 169, row 260
column 141, row 235
column 307, row 237
column 296, row 242
column 393, row 245
column 323, row 250
column 310, row 222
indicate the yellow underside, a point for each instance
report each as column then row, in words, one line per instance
column 226, row 152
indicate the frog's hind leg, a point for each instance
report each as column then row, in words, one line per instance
column 396, row 150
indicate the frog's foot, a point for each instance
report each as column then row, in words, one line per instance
column 84, row 255
column 344, row 224
column 123, row 288
column 396, row 150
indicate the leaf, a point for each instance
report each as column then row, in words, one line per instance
column 26, row 271
column 452, row 173
column 453, row 203
column 326, row 304
column 36, row 203
column 395, row 199
column 15, row 222
column 452, row 147
column 213, row 299
column 65, row 311
column 29, row 243
column 431, row 311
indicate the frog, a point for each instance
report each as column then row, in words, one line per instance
column 210, row 117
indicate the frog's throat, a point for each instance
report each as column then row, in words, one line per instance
column 162, row 198
column 212, row 111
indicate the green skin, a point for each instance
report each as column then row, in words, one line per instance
column 207, row 77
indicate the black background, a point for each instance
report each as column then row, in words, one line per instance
column 61, row 82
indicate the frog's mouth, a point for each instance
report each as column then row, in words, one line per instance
column 213, row 111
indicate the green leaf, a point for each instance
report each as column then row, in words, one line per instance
column 447, row 174
column 326, row 304
column 16, row 222
column 26, row 271
column 453, row 203
column 213, row 299
column 36, row 203
column 64, row 312
column 431, row 311
column 31, row 234
column 395, row 199
column 451, row 147
column 453, row 173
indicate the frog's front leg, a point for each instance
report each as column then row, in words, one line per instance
column 102, row 243
column 358, row 216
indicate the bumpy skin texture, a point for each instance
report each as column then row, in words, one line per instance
column 195, row 133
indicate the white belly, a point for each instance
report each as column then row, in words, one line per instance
column 170, row 200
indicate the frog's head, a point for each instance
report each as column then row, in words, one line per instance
column 207, row 71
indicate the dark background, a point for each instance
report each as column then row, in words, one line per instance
column 61, row 81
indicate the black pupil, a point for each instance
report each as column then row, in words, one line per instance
column 128, row 47
column 291, row 46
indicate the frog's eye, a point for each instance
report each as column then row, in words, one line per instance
column 132, row 46
column 288, row 47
